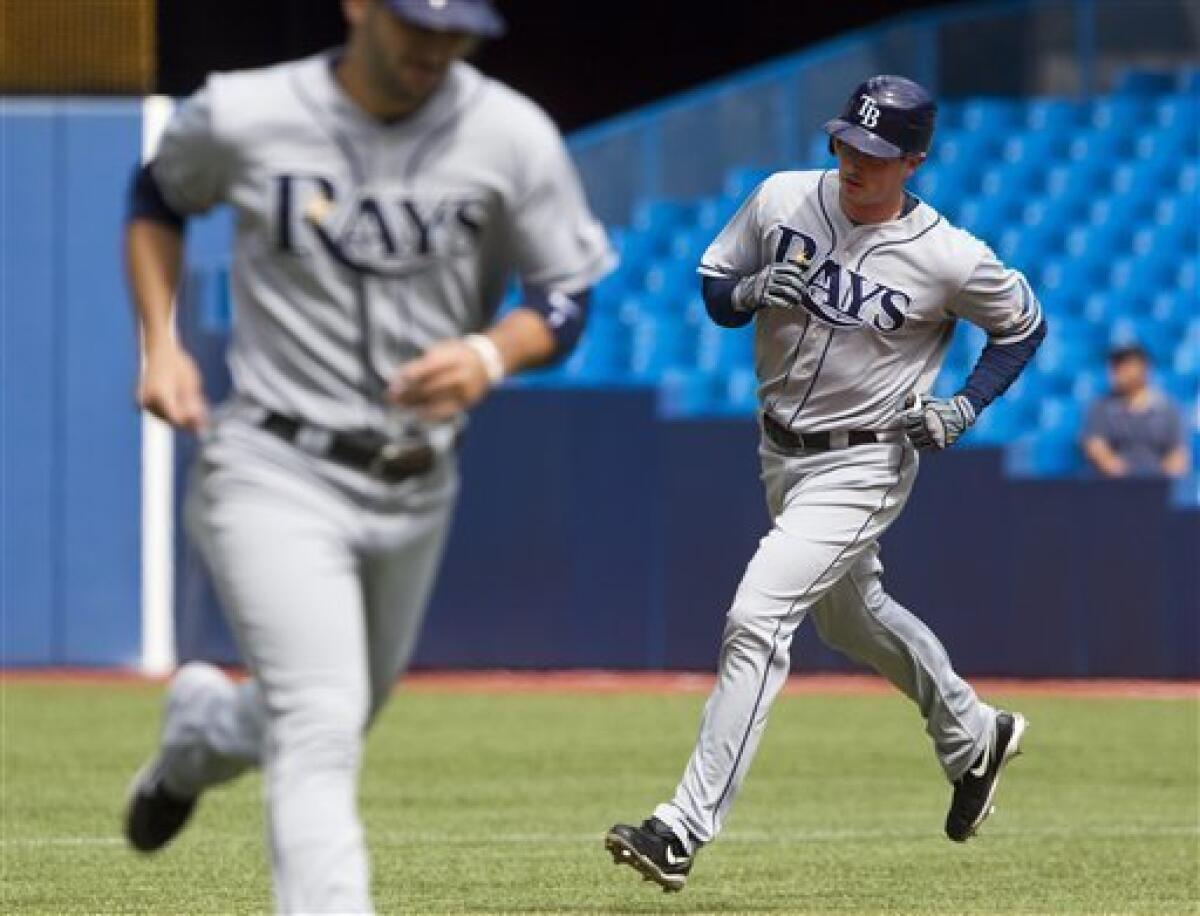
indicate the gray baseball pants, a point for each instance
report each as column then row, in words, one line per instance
column 324, row 574
column 820, row 558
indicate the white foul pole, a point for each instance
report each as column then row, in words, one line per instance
column 158, row 496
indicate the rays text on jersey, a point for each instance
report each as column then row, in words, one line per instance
column 382, row 230
column 842, row 297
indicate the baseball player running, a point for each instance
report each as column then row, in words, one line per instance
column 854, row 286
column 384, row 192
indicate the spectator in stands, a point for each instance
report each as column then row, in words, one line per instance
column 1136, row 431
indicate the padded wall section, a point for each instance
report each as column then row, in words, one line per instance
column 71, row 441
column 29, row 613
column 591, row 534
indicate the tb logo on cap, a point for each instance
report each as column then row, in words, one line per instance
column 868, row 112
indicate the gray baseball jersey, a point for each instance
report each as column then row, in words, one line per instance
column 358, row 245
column 355, row 234
column 881, row 306
column 883, row 301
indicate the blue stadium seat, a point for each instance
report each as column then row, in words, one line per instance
column 598, row 357
column 969, row 150
column 995, row 426
column 669, row 283
column 714, row 212
column 687, row 392
column 1143, row 178
column 1159, row 340
column 1019, row 178
column 740, row 391
column 950, row 115
column 1121, row 112
column 1104, row 241
column 633, row 250
column 992, row 115
column 1169, row 144
column 740, row 182
column 819, row 156
column 721, row 349
column 949, row 381
column 1173, row 307
column 1044, row 455
column 939, row 184
column 1028, row 248
column 1189, row 81
column 1090, row 382
column 695, row 312
column 1058, row 213
column 1133, row 208
column 1078, row 183
column 655, row 220
column 1102, row 147
column 658, row 343
column 1057, row 115
column 988, row 217
column 1186, row 275
column 688, row 244
column 1063, row 415
column 1039, row 147
column 1185, row 389
column 1146, row 82
column 1066, row 355
column 1178, row 110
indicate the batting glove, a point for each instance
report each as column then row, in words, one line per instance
column 775, row 286
column 937, row 423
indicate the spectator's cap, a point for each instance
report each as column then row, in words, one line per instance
column 475, row 17
column 1125, row 351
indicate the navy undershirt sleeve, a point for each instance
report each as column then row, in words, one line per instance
column 718, row 299
column 145, row 201
column 565, row 315
column 998, row 367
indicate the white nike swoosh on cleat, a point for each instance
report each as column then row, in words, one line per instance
column 980, row 770
column 673, row 859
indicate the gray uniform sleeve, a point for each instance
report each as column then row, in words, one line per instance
column 999, row 300
column 193, row 165
column 737, row 250
column 1095, row 425
column 1175, row 428
column 558, row 243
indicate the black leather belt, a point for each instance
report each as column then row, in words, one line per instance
column 815, row 442
column 366, row 451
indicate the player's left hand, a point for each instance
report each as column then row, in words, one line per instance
column 937, row 423
column 446, row 380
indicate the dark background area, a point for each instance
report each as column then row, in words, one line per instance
column 582, row 61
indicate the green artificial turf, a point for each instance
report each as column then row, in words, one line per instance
column 497, row 803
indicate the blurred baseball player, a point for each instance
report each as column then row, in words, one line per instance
column 385, row 192
column 854, row 286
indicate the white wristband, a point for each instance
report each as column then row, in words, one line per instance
column 489, row 355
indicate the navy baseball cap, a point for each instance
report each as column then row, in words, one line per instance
column 887, row 117
column 475, row 17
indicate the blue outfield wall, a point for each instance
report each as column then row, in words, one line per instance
column 591, row 533
column 69, row 580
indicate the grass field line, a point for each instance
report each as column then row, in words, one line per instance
column 798, row 837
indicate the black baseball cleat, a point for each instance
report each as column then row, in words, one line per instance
column 153, row 816
column 971, row 804
column 652, row 849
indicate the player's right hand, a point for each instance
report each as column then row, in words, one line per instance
column 171, row 388
column 775, row 286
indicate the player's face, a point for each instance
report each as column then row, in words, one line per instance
column 869, row 183
column 404, row 62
